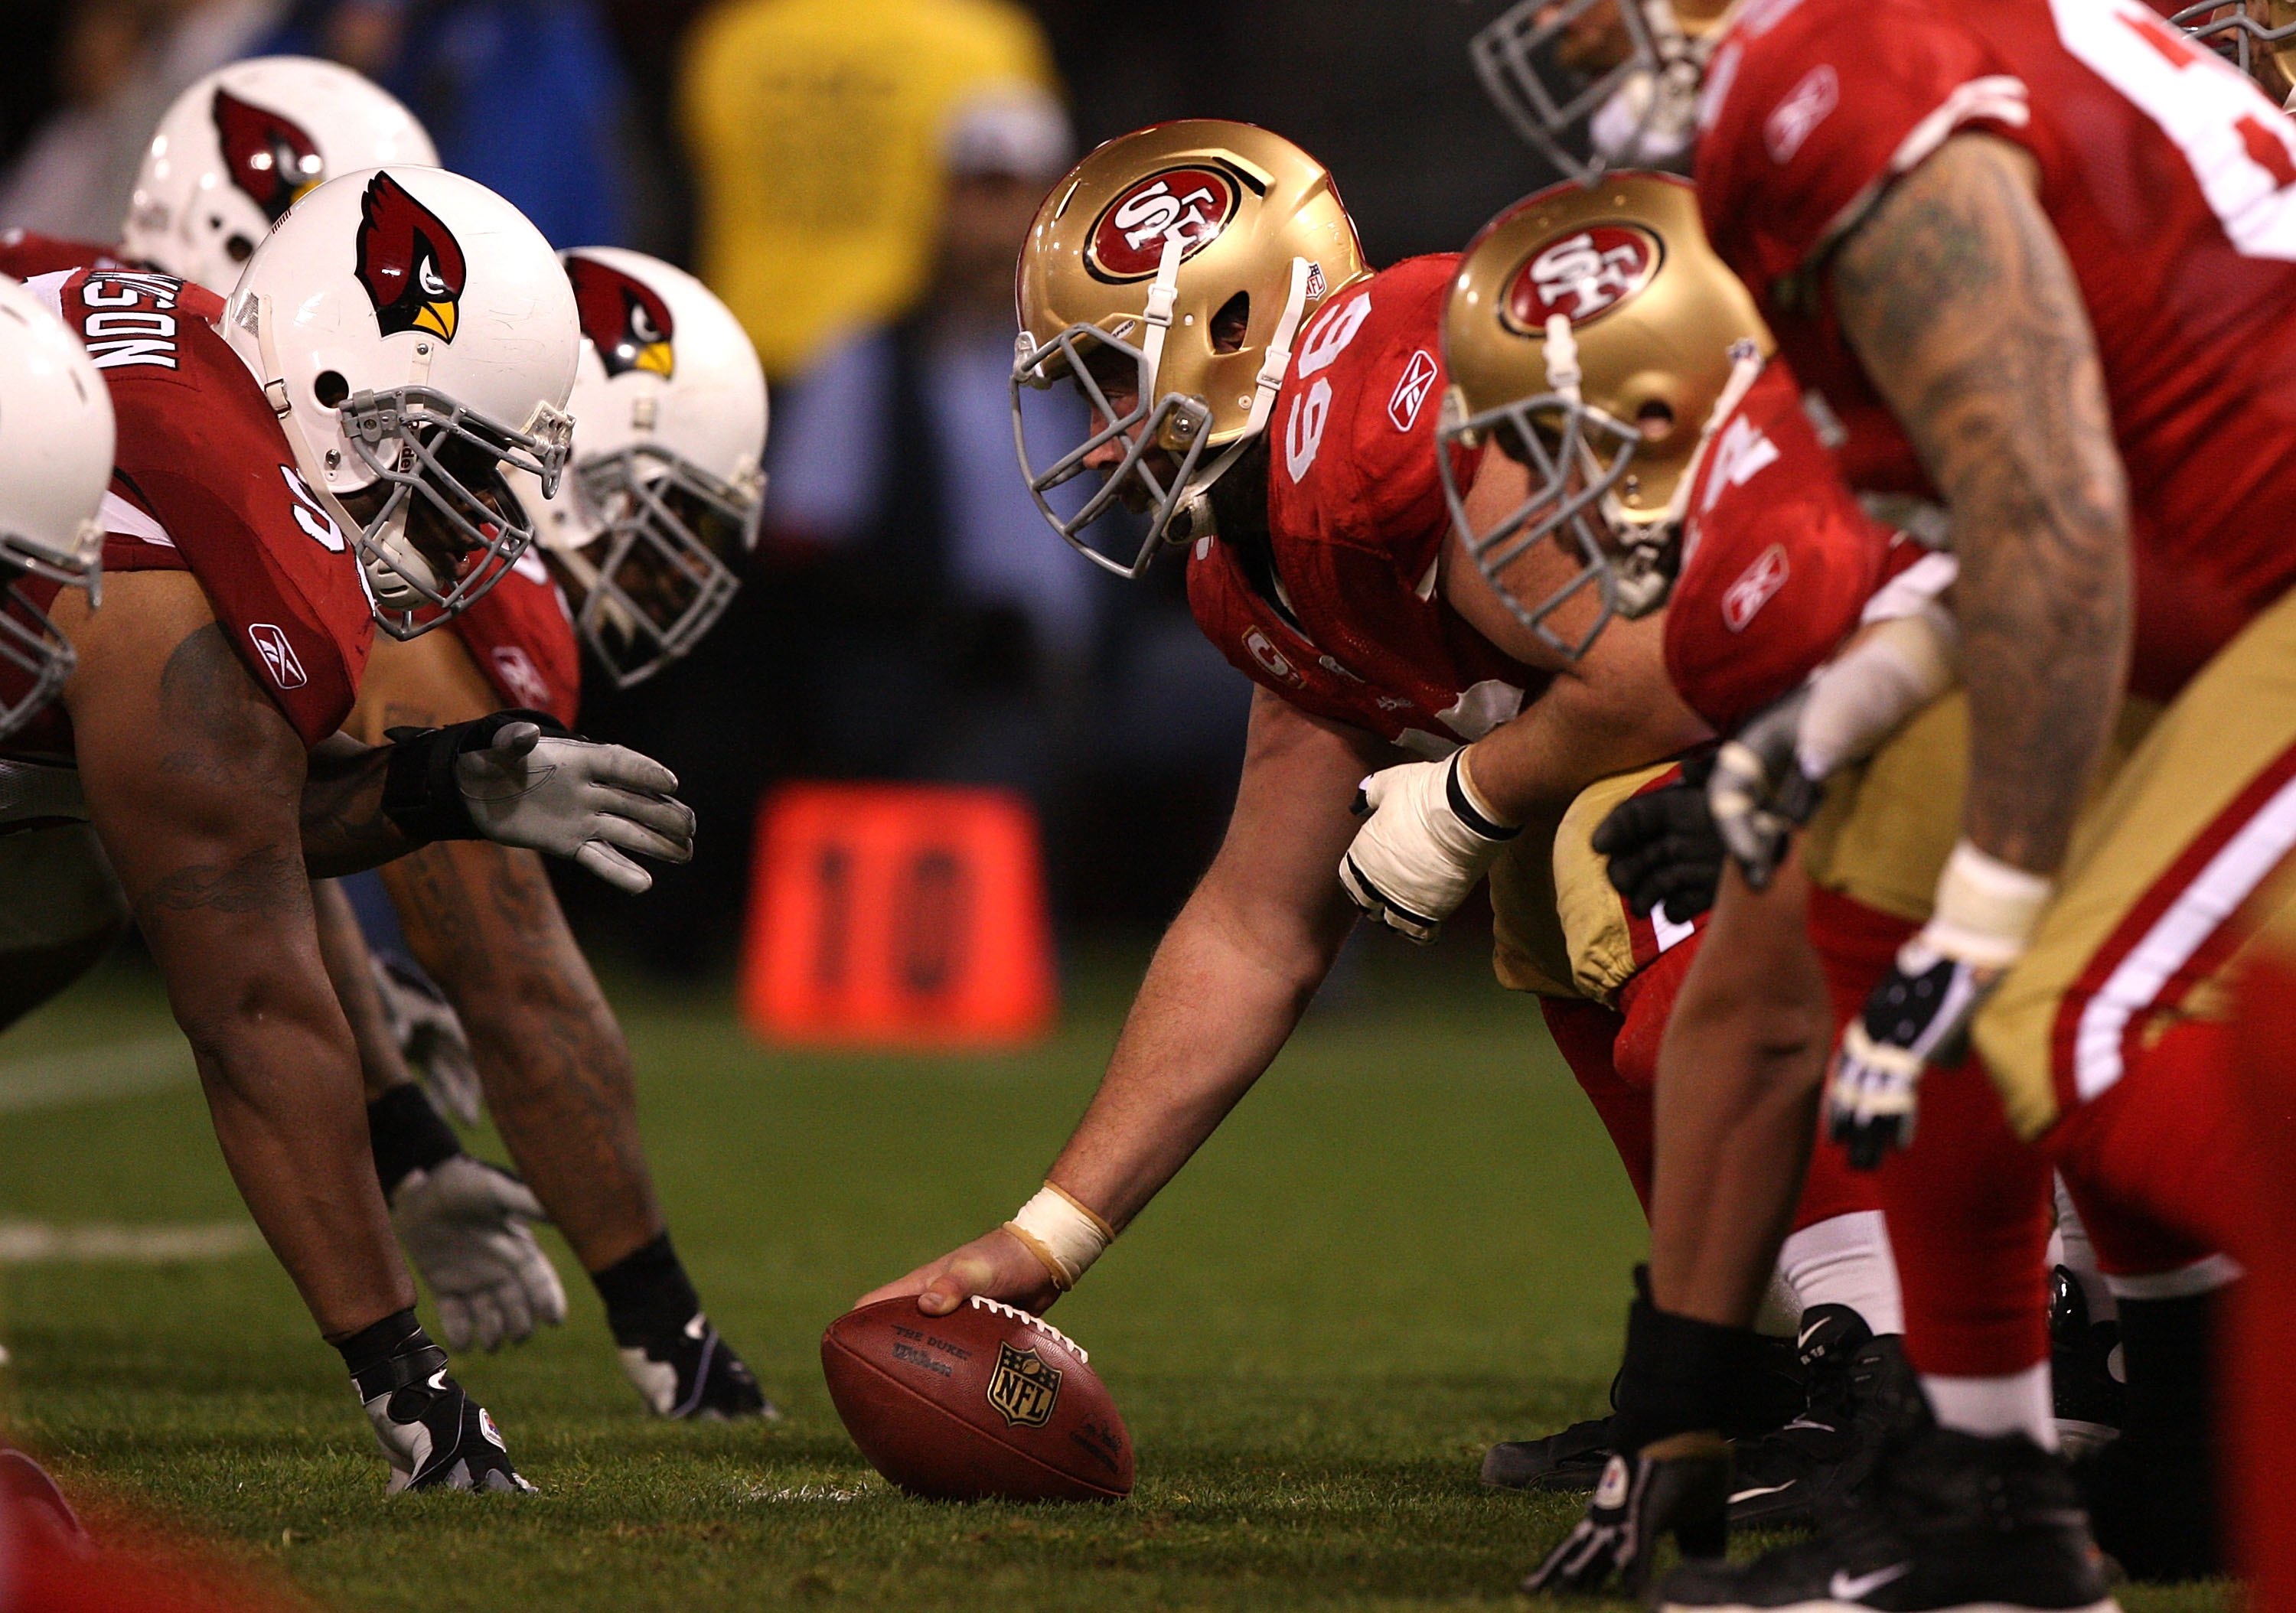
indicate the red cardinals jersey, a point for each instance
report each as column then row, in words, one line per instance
column 1351, row 625
column 23, row 254
column 204, row 481
column 1777, row 559
column 522, row 634
column 2169, row 178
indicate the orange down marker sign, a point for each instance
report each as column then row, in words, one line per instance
column 908, row 915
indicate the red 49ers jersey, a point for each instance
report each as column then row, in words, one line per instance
column 522, row 634
column 204, row 481
column 1359, row 632
column 1778, row 559
column 2169, row 178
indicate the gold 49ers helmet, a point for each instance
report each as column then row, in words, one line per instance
column 1593, row 335
column 1591, row 83
column 2258, row 37
column 1167, row 276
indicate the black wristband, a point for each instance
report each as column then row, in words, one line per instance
column 421, row 795
column 1468, row 814
column 647, row 1293
column 407, row 1136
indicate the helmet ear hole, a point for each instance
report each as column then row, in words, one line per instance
column 1656, row 420
column 239, row 248
column 1232, row 324
column 331, row 387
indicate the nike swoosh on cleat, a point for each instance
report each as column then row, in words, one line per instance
column 1769, row 1489
column 1857, row 1587
column 1802, row 1343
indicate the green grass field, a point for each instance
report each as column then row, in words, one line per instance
column 1410, row 1241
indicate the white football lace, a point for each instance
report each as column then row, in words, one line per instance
column 985, row 1303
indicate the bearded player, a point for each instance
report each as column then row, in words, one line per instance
column 663, row 495
column 326, row 450
column 1936, row 250
column 1321, row 563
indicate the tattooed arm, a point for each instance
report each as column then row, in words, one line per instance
column 1956, row 296
column 483, row 919
column 344, row 831
column 193, row 781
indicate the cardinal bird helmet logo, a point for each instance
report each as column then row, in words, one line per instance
column 271, row 157
column 625, row 319
column 409, row 262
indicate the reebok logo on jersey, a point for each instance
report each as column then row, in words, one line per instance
column 1411, row 390
column 1793, row 119
column 1756, row 586
column 278, row 656
column 521, row 679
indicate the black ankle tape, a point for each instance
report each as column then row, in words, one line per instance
column 407, row 1136
column 647, row 1293
column 1679, row 1371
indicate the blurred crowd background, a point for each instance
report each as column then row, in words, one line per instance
column 854, row 177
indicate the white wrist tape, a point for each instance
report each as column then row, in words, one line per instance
column 1987, row 909
column 1895, row 669
column 1067, row 1236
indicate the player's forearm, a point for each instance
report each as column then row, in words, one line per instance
column 345, row 830
column 1220, row 999
column 1958, row 298
column 556, row 1069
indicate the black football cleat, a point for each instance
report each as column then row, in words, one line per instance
column 432, row 1433
column 1951, row 1524
column 1861, row 1390
column 1572, row 1460
column 694, row 1372
column 2089, row 1374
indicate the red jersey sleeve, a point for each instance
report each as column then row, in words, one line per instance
column 1812, row 107
column 522, row 634
column 1779, row 559
column 204, row 481
column 24, row 253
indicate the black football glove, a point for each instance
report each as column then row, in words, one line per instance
column 1918, row 1016
column 1663, row 848
column 1679, row 1487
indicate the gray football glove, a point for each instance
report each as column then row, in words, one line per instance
column 570, row 798
column 429, row 1035
column 464, row 1224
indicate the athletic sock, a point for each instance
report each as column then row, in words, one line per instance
column 370, row 1347
column 1679, row 1371
column 407, row 1136
column 1846, row 1260
column 2017, row 1403
column 647, row 1294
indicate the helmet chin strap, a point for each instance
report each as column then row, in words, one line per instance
column 1196, row 504
column 1745, row 368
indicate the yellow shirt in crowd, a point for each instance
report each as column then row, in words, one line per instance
column 815, row 128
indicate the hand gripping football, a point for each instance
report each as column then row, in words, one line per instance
column 985, row 1402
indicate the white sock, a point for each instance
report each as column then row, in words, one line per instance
column 2072, row 1250
column 1846, row 1260
column 2018, row 1403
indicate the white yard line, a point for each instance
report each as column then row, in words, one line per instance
column 43, row 1243
column 116, row 1069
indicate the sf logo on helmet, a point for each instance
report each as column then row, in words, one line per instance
column 1582, row 276
column 270, row 157
column 411, row 265
column 626, row 320
column 1128, row 239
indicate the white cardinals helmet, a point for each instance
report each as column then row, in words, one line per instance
column 418, row 339
column 667, row 485
column 56, row 436
column 242, row 145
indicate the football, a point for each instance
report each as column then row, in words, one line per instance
column 987, row 1403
